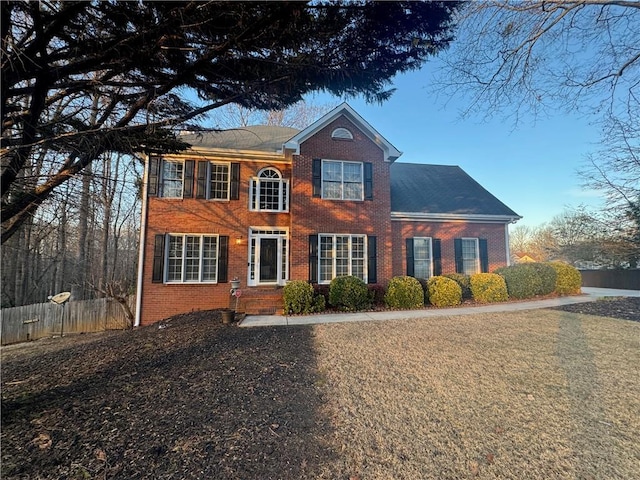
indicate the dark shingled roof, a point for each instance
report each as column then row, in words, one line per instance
column 447, row 189
column 265, row 138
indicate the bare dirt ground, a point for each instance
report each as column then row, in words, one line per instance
column 531, row 395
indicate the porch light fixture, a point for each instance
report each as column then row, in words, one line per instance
column 239, row 240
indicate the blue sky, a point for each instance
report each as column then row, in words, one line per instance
column 530, row 167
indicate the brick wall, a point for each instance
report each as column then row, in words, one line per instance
column 311, row 215
column 447, row 232
column 197, row 216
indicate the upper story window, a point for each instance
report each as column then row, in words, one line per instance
column 342, row 180
column 171, row 178
column 341, row 133
column 269, row 192
column 218, row 180
column 217, row 183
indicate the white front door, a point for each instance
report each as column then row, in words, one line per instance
column 268, row 257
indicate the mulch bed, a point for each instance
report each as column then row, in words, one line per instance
column 625, row 308
column 188, row 398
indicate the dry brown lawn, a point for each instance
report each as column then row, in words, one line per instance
column 529, row 395
column 543, row 394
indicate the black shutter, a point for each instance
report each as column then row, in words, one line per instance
column 457, row 248
column 187, row 186
column 436, row 244
column 409, row 243
column 158, row 259
column 317, row 177
column 234, row 193
column 368, row 181
column 223, row 258
column 372, row 264
column 484, row 255
column 313, row 258
column 153, row 180
column 201, row 181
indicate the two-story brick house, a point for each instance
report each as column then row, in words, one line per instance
column 269, row 204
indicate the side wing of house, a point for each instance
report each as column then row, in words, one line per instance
column 443, row 222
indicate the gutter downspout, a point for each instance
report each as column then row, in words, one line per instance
column 143, row 237
column 506, row 239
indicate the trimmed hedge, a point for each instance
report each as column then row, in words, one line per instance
column 298, row 297
column 568, row 278
column 444, row 292
column 522, row 280
column 547, row 276
column 404, row 292
column 349, row 293
column 488, row 288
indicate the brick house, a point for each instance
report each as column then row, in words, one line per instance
column 269, row 204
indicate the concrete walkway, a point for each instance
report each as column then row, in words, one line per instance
column 589, row 294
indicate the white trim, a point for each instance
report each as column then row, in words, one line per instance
column 143, row 236
column 430, row 242
column 452, row 217
column 391, row 153
column 281, row 276
column 342, row 181
column 476, row 241
column 183, row 257
column 506, row 239
column 365, row 266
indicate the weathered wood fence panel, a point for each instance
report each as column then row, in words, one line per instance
column 624, row 279
column 30, row 322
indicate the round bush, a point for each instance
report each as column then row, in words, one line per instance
column 444, row 292
column 568, row 278
column 488, row 288
column 547, row 276
column 298, row 297
column 349, row 293
column 522, row 280
column 404, row 292
column 462, row 280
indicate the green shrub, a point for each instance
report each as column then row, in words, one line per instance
column 488, row 288
column 547, row 275
column 349, row 293
column 444, row 292
column 464, row 282
column 404, row 292
column 568, row 278
column 522, row 280
column 319, row 303
column 298, row 297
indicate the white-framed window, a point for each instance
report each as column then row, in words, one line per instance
column 470, row 256
column 218, row 181
column 171, row 179
column 422, row 257
column 191, row 258
column 341, row 133
column 340, row 255
column 342, row 180
column 269, row 192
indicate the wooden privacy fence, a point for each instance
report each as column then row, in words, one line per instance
column 625, row 279
column 30, row 322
